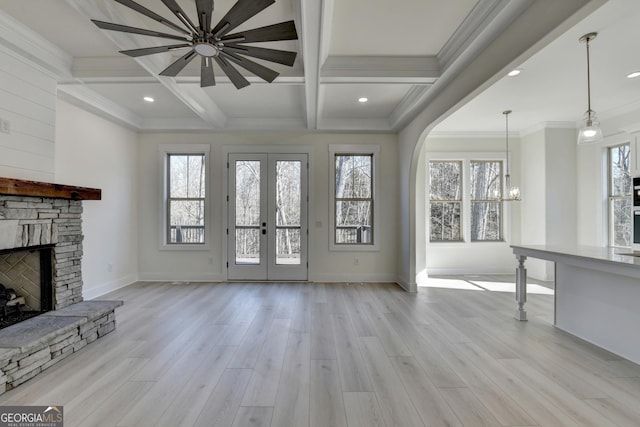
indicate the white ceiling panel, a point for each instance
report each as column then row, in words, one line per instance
column 341, row 100
column 165, row 103
column 260, row 100
column 61, row 24
column 395, row 28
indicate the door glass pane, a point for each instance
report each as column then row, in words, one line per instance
column 288, row 245
column 287, row 193
column 247, row 193
column 247, row 212
column 288, row 214
column 247, row 246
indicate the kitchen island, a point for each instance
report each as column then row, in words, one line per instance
column 597, row 294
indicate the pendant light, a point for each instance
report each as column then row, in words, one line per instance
column 590, row 131
column 513, row 192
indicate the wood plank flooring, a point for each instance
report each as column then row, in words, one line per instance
column 320, row 355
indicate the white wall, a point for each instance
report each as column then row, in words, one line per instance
column 324, row 265
column 93, row 152
column 28, row 102
column 467, row 257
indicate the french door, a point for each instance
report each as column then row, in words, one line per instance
column 267, row 214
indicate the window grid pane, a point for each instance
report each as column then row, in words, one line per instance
column 486, row 196
column 186, row 201
column 353, row 199
column 445, row 195
column 619, row 197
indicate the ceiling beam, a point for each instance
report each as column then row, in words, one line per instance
column 315, row 17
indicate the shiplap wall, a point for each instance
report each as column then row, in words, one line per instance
column 28, row 102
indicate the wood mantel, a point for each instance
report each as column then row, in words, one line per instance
column 18, row 187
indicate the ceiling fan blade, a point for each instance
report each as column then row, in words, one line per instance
column 234, row 75
column 283, row 57
column 134, row 30
column 205, row 10
column 177, row 10
column 266, row 74
column 239, row 13
column 151, row 50
column 207, row 78
column 173, row 69
column 270, row 33
column 143, row 10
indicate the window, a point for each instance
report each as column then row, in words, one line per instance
column 185, row 202
column 353, row 192
column 465, row 198
column 486, row 201
column 445, row 196
column 619, row 197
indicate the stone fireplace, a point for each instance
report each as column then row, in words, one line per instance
column 41, row 248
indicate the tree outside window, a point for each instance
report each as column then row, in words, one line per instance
column 486, row 200
column 619, row 197
column 186, row 198
column 445, row 196
column 353, row 199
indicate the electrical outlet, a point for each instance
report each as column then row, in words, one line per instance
column 5, row 126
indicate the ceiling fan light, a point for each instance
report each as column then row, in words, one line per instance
column 590, row 131
column 206, row 49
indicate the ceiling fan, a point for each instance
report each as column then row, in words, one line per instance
column 214, row 43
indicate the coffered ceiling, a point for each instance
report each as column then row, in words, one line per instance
column 391, row 52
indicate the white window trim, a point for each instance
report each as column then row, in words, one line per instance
column 164, row 150
column 353, row 149
column 608, row 143
column 466, row 158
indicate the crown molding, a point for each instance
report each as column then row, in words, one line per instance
column 381, row 69
column 32, row 46
column 547, row 125
column 355, row 125
column 481, row 16
column 469, row 135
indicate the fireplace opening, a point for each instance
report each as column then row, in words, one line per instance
column 26, row 288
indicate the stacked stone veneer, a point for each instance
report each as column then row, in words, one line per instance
column 35, row 221
column 30, row 347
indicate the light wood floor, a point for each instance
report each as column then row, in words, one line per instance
column 336, row 355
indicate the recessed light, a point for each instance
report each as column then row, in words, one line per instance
column 148, row 99
column 633, row 75
column 514, row 73
column 363, row 100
